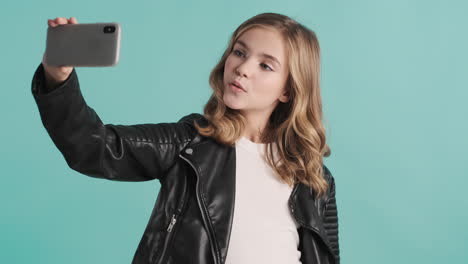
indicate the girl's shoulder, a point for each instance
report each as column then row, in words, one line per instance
column 193, row 117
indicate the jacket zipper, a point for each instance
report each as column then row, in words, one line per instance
column 203, row 213
column 173, row 221
column 310, row 228
column 171, row 227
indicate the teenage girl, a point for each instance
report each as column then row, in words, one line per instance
column 244, row 182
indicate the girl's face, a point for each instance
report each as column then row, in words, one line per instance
column 257, row 61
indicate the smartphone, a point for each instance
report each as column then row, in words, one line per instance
column 83, row 45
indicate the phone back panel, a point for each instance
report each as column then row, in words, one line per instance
column 83, row 45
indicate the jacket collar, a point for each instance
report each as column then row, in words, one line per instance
column 215, row 166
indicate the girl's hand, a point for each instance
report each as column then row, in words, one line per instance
column 55, row 75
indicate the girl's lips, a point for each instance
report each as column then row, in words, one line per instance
column 235, row 88
column 236, row 83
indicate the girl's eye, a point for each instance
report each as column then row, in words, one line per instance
column 267, row 66
column 239, row 53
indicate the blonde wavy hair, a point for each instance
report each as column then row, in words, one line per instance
column 295, row 126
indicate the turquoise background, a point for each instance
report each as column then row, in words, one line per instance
column 394, row 88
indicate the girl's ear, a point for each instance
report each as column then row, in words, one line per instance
column 284, row 97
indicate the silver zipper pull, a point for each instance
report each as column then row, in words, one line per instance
column 171, row 224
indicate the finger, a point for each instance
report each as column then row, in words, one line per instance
column 73, row 20
column 43, row 59
column 61, row 20
column 51, row 23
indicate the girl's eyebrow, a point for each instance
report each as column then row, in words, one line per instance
column 261, row 54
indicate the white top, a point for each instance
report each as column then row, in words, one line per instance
column 263, row 230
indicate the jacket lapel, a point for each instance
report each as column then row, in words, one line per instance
column 216, row 169
column 307, row 211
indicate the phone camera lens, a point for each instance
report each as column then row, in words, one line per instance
column 109, row 29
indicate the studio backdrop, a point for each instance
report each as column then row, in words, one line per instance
column 394, row 89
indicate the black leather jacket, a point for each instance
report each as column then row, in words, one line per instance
column 191, row 220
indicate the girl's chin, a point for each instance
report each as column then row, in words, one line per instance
column 232, row 105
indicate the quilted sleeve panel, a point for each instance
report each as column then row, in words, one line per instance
column 116, row 152
column 331, row 217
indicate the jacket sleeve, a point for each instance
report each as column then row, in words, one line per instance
column 331, row 216
column 114, row 152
